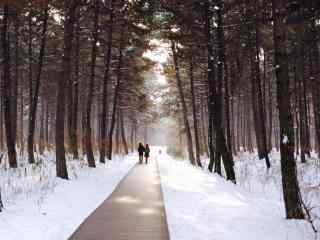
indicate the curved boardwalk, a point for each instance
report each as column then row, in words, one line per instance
column 134, row 211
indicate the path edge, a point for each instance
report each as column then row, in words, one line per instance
column 162, row 196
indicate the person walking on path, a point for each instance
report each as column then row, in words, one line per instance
column 141, row 150
column 147, row 153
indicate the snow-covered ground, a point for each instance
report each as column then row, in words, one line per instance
column 199, row 204
column 253, row 177
column 40, row 206
column 202, row 205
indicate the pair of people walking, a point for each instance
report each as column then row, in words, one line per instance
column 143, row 150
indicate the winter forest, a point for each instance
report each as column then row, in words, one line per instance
column 225, row 92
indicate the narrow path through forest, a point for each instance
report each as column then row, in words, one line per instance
column 135, row 210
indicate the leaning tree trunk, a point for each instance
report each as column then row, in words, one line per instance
column 292, row 198
column 35, row 94
column 6, row 88
column 183, row 104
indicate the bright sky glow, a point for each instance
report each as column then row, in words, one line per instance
column 160, row 55
column 56, row 15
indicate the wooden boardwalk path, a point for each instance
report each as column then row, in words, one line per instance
column 134, row 211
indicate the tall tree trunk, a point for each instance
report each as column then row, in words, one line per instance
column 41, row 136
column 227, row 106
column 315, row 79
column 46, row 124
column 203, row 121
column 260, row 100
column 61, row 167
column 88, row 130
column 105, row 104
column 292, row 199
column 117, row 136
column 183, row 104
column 211, row 83
column 1, row 119
column 222, row 148
column 35, row 94
column 30, row 56
column 123, row 134
column 21, row 119
column 73, row 131
column 194, row 112
column 270, row 103
column 132, row 136
column 116, row 93
column 15, row 80
column 6, row 88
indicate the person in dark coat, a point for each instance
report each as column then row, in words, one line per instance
column 147, row 153
column 141, row 151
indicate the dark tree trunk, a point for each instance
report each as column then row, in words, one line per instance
column 315, row 80
column 88, row 130
column 270, row 103
column 194, row 113
column 116, row 94
column 1, row 119
column 105, row 104
column 227, row 107
column 203, row 121
column 221, row 143
column 35, row 94
column 123, row 134
column 21, row 119
column 292, row 199
column 15, row 80
column 211, row 84
column 47, row 123
column 73, row 131
column 61, row 166
column 256, row 91
column 41, row 136
column 132, row 136
column 6, row 88
column 118, row 133
column 30, row 56
column 260, row 100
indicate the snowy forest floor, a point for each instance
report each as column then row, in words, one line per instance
column 40, row 206
column 202, row 205
column 199, row 204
